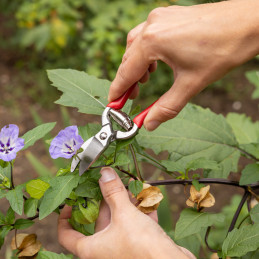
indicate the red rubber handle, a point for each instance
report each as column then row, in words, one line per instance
column 119, row 103
column 139, row 119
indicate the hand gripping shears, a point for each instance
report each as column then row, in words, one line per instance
column 96, row 145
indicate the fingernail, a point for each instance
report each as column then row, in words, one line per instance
column 151, row 125
column 107, row 175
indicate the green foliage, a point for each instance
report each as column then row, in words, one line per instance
column 37, row 133
column 195, row 133
column 37, row 188
column 244, row 129
column 30, row 207
column 254, row 213
column 15, row 198
column 250, row 174
column 240, row 241
column 192, row 221
column 51, row 255
column 87, row 93
column 135, row 187
column 60, row 189
column 90, row 188
column 23, row 223
column 253, row 77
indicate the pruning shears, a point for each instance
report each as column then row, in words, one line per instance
column 96, row 145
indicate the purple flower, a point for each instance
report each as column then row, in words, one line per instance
column 66, row 143
column 10, row 144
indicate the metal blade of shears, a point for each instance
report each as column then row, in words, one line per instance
column 93, row 148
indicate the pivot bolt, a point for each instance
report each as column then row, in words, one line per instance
column 103, row 135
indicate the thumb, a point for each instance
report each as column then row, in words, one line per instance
column 113, row 190
column 171, row 103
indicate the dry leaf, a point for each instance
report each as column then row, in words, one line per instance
column 202, row 198
column 149, row 198
column 27, row 244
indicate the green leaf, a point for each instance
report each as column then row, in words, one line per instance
column 39, row 167
column 192, row 221
column 23, row 223
column 254, row 213
column 2, row 218
column 36, row 188
column 195, row 133
column 253, row 77
column 87, row 93
column 244, row 129
column 15, row 198
column 10, row 216
column 90, row 188
column 250, row 174
column 60, row 189
column 51, row 255
column 135, row 187
column 2, row 193
column 202, row 163
column 121, row 159
column 123, row 143
column 197, row 185
column 3, row 164
column 251, row 255
column 30, row 207
column 37, row 133
column 241, row 241
column 3, row 233
column 89, row 130
column 252, row 148
column 173, row 166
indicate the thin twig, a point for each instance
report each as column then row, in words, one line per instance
column 240, row 206
column 206, row 241
column 135, row 162
column 12, row 181
column 243, row 220
column 126, row 172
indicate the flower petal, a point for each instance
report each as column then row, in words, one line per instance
column 9, row 131
column 19, row 144
column 8, row 157
column 208, row 201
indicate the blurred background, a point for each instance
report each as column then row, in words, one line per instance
column 90, row 36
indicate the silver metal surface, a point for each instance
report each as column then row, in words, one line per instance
column 127, row 134
column 95, row 146
column 122, row 119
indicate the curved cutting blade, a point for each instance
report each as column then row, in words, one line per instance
column 93, row 148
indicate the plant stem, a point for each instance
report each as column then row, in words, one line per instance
column 243, row 220
column 240, row 206
column 126, row 172
column 206, row 240
column 135, row 162
column 12, row 181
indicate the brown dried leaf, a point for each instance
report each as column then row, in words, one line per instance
column 149, row 198
column 202, row 198
column 27, row 244
column 208, row 201
column 31, row 250
column 19, row 239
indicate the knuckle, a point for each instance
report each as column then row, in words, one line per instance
column 113, row 191
column 155, row 13
column 167, row 112
column 130, row 37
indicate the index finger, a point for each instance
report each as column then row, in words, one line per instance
column 134, row 65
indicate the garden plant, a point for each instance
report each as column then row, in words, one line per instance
column 202, row 149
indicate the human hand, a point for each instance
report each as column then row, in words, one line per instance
column 122, row 231
column 200, row 43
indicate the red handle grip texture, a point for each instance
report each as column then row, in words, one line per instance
column 139, row 119
column 119, row 103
